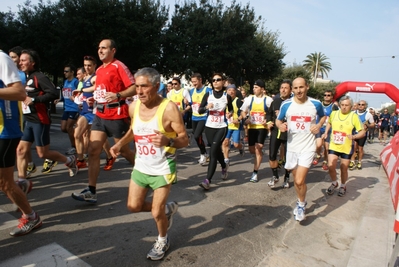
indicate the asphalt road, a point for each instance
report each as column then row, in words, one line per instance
column 236, row 223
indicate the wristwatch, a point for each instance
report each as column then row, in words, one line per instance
column 171, row 142
column 118, row 95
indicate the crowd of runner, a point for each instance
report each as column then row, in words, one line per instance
column 108, row 101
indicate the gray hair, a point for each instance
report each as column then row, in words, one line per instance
column 345, row 97
column 152, row 74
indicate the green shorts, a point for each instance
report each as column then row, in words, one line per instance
column 153, row 181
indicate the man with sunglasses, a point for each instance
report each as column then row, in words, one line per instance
column 368, row 121
column 328, row 106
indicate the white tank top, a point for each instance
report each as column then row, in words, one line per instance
column 217, row 114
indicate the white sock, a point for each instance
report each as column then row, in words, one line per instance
column 68, row 160
column 163, row 239
column 334, row 182
column 302, row 204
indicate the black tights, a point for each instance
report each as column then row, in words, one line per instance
column 198, row 129
column 215, row 137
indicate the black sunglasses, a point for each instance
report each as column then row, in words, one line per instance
column 217, row 80
column 327, row 95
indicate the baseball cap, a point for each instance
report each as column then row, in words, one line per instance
column 260, row 83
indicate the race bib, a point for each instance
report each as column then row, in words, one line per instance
column 195, row 107
column 339, row 137
column 99, row 95
column 300, row 124
column 257, row 117
column 66, row 92
column 216, row 116
column 25, row 108
column 145, row 148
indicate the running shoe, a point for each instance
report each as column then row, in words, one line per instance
column 331, row 189
column 273, row 181
column 172, row 207
column 109, row 164
column 325, row 166
column 158, row 250
column 25, row 185
column 203, row 159
column 341, row 191
column 224, row 172
column 48, row 165
column 26, row 225
column 352, row 165
column 359, row 165
column 205, row 184
column 286, row 183
column 85, row 195
column 71, row 151
column 72, row 166
column 81, row 164
column 295, row 211
column 29, row 170
column 300, row 213
column 254, row 178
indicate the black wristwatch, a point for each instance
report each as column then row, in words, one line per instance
column 118, row 95
column 171, row 142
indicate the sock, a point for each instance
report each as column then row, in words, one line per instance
column 302, row 204
column 21, row 179
column 68, row 160
column 287, row 174
column 275, row 172
column 227, row 161
column 335, row 183
column 256, row 172
column 92, row 189
column 31, row 215
column 343, row 185
column 163, row 239
column 30, row 164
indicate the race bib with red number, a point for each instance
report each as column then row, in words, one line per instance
column 145, row 148
column 99, row 94
column 339, row 137
column 216, row 116
column 257, row 117
column 300, row 124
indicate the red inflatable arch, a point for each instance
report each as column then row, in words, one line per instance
column 369, row 87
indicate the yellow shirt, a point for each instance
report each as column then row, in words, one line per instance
column 342, row 126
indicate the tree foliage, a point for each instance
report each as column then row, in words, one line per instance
column 204, row 37
column 317, row 62
column 213, row 38
column 289, row 72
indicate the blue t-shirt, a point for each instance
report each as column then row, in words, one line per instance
column 385, row 121
column 69, row 87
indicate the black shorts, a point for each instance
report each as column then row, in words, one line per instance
column 36, row 132
column 256, row 136
column 116, row 128
column 274, row 145
column 361, row 141
column 340, row 154
column 8, row 150
column 384, row 129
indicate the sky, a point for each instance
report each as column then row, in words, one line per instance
column 360, row 37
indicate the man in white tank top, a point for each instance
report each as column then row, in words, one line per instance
column 157, row 129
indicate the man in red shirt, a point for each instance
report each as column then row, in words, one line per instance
column 113, row 84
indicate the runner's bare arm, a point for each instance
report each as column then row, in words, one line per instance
column 173, row 121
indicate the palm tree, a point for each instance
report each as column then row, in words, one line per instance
column 317, row 62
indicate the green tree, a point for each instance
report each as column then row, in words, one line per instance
column 317, row 62
column 289, row 72
column 210, row 37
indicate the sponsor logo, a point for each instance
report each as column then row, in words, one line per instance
column 366, row 88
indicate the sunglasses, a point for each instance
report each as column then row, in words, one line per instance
column 174, row 83
column 66, row 71
column 217, row 80
column 88, row 58
column 327, row 95
column 361, row 104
